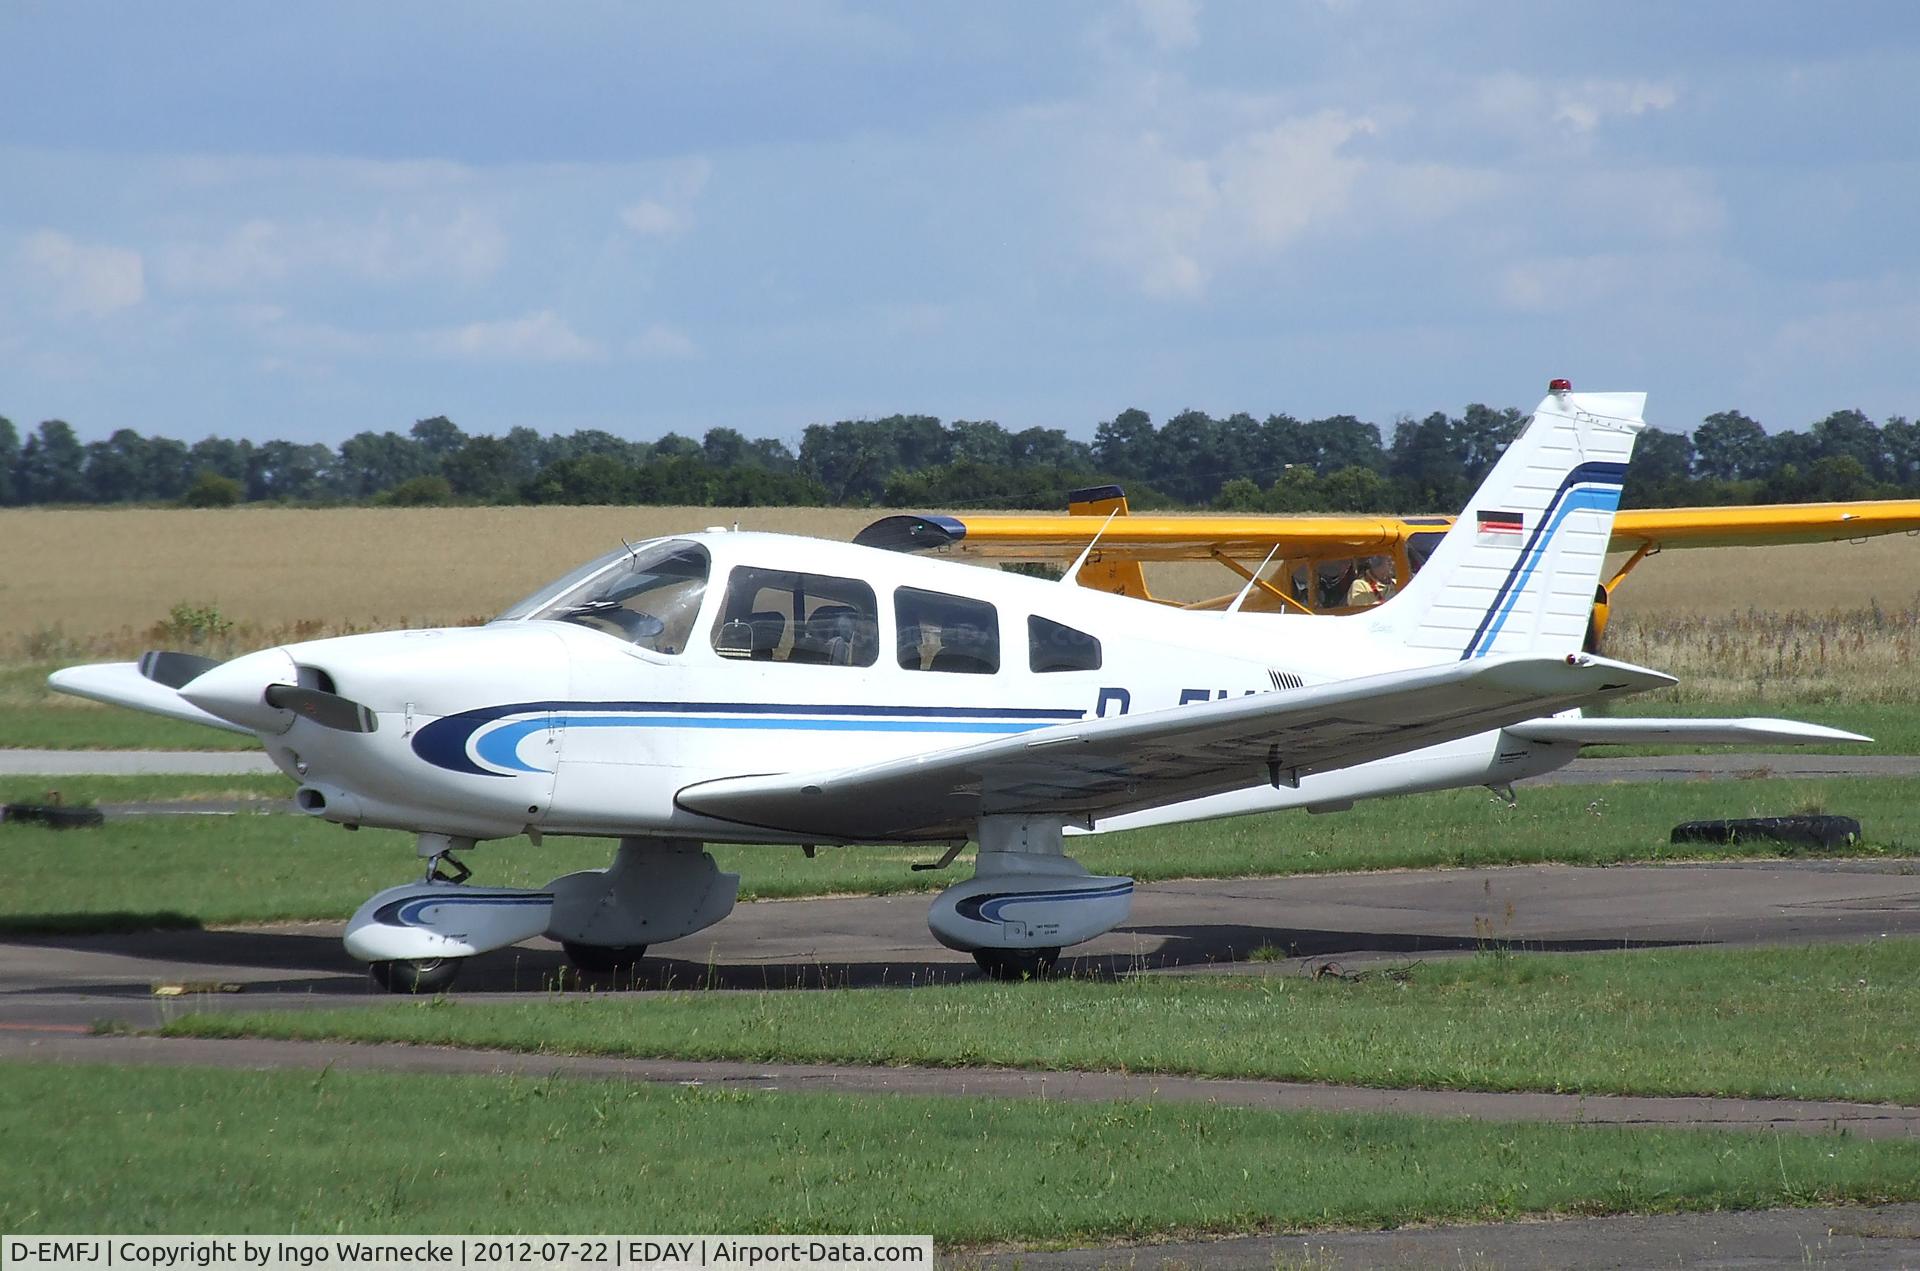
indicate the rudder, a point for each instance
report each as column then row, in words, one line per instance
column 1517, row 572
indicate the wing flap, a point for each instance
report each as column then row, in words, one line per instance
column 1102, row 767
column 1679, row 732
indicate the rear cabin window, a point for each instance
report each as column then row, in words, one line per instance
column 777, row 615
column 1052, row 646
column 939, row 632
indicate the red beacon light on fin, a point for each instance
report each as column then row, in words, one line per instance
column 1560, row 386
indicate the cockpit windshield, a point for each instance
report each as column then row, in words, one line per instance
column 647, row 595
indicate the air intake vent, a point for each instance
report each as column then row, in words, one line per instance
column 1285, row 679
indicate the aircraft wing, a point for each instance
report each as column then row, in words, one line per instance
column 1679, row 732
column 1761, row 525
column 1102, row 767
column 1162, row 537
column 1051, row 536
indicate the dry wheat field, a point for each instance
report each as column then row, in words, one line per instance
column 1815, row 622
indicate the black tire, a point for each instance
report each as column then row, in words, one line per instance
column 1825, row 832
column 619, row 960
column 415, row 975
column 1016, row 964
column 54, row 816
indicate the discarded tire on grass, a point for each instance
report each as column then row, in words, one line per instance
column 1794, row 831
column 52, row 815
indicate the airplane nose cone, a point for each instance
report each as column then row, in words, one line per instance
column 236, row 690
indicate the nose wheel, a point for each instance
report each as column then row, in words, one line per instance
column 427, row 975
column 415, row 975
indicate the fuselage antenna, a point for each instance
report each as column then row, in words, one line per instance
column 1074, row 573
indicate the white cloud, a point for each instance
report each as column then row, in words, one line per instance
column 663, row 343
column 670, row 212
column 1628, row 281
column 89, row 279
column 650, row 218
column 1850, row 323
column 1173, row 220
column 461, row 243
column 1526, row 104
column 1170, row 24
column 537, row 337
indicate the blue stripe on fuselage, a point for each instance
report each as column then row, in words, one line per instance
column 1599, row 490
column 444, row 742
column 501, row 746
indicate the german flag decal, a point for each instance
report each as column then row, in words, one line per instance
column 1501, row 522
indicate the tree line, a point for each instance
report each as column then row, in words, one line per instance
column 1238, row 463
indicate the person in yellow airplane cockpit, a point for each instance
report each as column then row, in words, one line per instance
column 1374, row 584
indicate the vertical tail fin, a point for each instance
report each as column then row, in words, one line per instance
column 1517, row 571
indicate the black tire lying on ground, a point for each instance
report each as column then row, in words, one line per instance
column 53, row 815
column 1795, row 831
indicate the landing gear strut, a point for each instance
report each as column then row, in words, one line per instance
column 1026, row 901
column 460, row 872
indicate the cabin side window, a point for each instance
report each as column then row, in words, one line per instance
column 938, row 632
column 778, row 615
column 1053, row 646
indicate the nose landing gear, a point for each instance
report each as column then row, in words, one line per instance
column 418, row 935
column 415, row 975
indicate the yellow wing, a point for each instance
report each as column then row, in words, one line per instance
column 1316, row 558
column 1762, row 525
column 1050, row 536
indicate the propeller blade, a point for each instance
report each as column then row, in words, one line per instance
column 175, row 670
column 329, row 710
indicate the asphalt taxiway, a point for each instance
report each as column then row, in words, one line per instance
column 1198, row 926
column 54, row 990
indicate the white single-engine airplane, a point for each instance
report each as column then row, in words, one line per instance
column 761, row 688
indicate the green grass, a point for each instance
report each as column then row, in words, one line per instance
column 276, row 868
column 1831, row 1021
column 162, row 1150
column 34, row 717
column 273, row 789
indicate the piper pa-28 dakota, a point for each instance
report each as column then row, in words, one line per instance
column 770, row 689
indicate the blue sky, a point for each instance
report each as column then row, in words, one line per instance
column 305, row 221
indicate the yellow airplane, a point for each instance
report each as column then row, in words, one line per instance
column 1337, row 564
